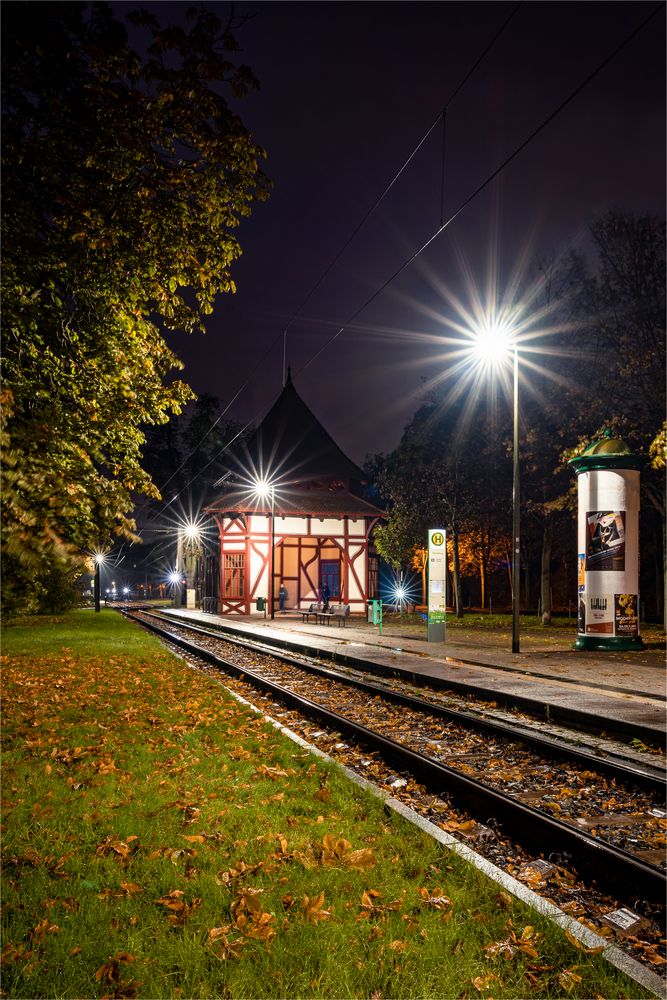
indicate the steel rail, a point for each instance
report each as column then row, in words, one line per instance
column 568, row 716
column 610, row 867
column 644, row 779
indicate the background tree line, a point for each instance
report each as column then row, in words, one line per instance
column 606, row 370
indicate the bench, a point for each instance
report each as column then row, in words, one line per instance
column 336, row 612
column 315, row 610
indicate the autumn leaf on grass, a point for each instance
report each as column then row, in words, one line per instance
column 339, row 852
column 250, row 917
column 399, row 946
column 368, row 906
column 14, row 953
column 580, row 946
column 113, row 845
column 508, row 948
column 435, row 899
column 110, row 972
column 224, row 947
column 173, row 854
column 482, row 983
column 43, row 927
column 179, row 909
column 311, row 907
column 126, row 890
column 568, row 979
column 271, row 772
column 241, row 869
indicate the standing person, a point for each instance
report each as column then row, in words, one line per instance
column 326, row 594
column 282, row 598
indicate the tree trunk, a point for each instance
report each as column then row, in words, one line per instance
column 547, row 542
column 458, row 588
column 482, row 581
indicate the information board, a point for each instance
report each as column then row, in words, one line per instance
column 437, row 584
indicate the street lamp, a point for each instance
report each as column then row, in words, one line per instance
column 264, row 489
column 188, row 550
column 493, row 345
column 98, row 559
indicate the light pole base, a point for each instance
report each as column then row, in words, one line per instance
column 609, row 644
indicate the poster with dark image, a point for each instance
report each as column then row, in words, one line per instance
column 605, row 540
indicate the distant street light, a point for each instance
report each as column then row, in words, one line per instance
column 494, row 344
column 264, row 489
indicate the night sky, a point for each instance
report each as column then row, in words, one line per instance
column 347, row 91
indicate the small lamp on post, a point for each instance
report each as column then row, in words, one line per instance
column 174, row 580
column 493, row 345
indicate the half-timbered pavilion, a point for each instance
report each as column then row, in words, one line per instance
column 291, row 513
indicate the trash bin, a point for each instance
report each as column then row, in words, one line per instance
column 261, row 603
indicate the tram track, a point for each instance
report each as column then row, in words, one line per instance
column 562, row 837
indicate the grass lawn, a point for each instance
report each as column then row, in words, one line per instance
column 160, row 840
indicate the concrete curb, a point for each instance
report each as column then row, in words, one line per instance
column 615, row 956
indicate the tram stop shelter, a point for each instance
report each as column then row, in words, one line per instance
column 293, row 514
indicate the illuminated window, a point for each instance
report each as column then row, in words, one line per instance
column 234, row 574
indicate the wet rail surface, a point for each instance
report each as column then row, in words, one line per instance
column 602, row 818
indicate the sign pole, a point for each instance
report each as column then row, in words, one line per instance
column 437, row 584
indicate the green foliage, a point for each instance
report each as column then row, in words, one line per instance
column 124, row 181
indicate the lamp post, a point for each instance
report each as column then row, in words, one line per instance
column 189, row 541
column 99, row 559
column 516, row 537
column 271, row 549
column 264, row 489
column 493, row 344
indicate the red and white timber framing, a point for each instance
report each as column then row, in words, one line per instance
column 300, row 544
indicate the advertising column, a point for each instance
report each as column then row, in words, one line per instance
column 608, row 546
column 437, row 577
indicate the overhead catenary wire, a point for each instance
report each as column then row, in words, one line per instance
column 440, row 117
column 441, row 228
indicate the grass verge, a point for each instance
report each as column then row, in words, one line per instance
column 161, row 840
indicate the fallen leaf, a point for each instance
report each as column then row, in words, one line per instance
column 311, row 907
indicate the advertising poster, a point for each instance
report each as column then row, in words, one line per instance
column 605, row 540
column 600, row 616
column 625, row 614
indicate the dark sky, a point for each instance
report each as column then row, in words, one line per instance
column 347, row 91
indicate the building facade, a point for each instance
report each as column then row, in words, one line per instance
column 292, row 515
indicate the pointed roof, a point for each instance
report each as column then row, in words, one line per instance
column 291, row 445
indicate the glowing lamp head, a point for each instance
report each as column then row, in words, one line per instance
column 98, row 558
column 263, row 488
column 400, row 594
column 174, row 577
column 191, row 532
column 493, row 343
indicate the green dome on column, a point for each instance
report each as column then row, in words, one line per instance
column 606, row 452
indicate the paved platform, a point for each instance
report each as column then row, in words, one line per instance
column 626, row 690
